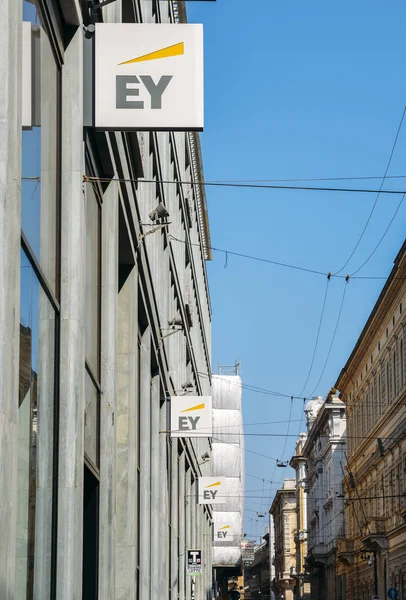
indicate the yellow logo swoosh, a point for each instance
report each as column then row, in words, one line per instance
column 197, row 407
column 225, row 527
column 175, row 50
column 213, row 484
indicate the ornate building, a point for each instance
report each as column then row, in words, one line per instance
column 283, row 511
column 298, row 462
column 324, row 451
column 372, row 384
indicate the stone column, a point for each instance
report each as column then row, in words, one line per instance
column 126, row 441
column 163, row 506
column 72, row 367
column 10, row 201
column 174, row 519
column 109, row 303
column 182, row 539
column 155, row 508
column 145, row 466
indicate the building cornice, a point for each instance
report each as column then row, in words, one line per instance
column 378, row 315
column 180, row 16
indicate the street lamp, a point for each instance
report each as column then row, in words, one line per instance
column 371, row 561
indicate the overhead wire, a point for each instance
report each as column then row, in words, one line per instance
column 283, row 264
column 377, row 198
column 89, row 179
column 382, row 236
column 332, row 339
column 317, row 337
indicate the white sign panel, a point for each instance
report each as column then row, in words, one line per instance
column 149, row 76
column 212, row 490
column 224, row 532
column 191, row 416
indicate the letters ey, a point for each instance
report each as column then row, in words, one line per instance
column 222, row 534
column 155, row 90
column 209, row 494
column 188, row 423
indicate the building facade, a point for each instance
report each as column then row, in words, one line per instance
column 102, row 320
column 324, row 451
column 373, row 386
column 298, row 463
column 283, row 511
column 257, row 576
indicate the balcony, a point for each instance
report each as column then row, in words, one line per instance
column 345, row 551
column 374, row 533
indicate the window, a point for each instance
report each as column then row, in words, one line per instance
column 41, row 155
column 35, row 438
column 39, row 326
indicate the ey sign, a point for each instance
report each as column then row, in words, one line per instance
column 191, row 416
column 223, row 532
column 212, row 490
column 149, row 76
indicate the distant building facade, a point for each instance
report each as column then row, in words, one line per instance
column 324, row 451
column 283, row 511
column 298, row 463
column 373, row 386
column 257, row 576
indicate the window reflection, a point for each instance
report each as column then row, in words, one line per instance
column 40, row 150
column 35, row 439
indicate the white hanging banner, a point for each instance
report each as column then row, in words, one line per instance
column 149, row 76
column 212, row 490
column 191, row 416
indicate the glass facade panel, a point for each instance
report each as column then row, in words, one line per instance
column 35, row 442
column 91, row 421
column 92, row 279
column 40, row 152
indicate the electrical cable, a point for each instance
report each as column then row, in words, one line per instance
column 251, row 388
column 89, row 179
column 284, row 265
column 317, row 337
column 287, row 433
column 378, row 195
column 332, row 339
column 382, row 237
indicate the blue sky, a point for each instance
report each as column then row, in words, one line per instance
column 297, row 90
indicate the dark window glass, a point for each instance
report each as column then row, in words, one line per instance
column 91, row 421
column 92, row 279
